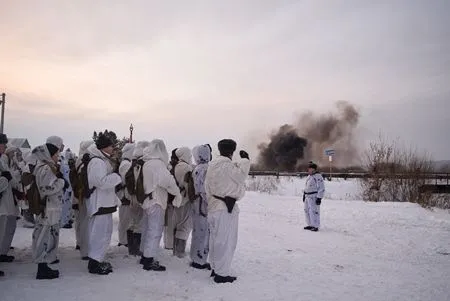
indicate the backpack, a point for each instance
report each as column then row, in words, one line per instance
column 36, row 205
column 83, row 183
column 130, row 181
column 75, row 180
column 189, row 180
column 140, row 191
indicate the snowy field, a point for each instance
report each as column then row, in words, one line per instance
column 364, row 251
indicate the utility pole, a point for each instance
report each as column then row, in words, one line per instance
column 2, row 103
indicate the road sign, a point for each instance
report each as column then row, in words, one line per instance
column 330, row 158
column 329, row 152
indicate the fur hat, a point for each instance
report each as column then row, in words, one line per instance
column 56, row 141
column 226, row 147
column 312, row 165
column 103, row 141
column 3, row 139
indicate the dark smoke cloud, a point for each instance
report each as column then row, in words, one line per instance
column 291, row 146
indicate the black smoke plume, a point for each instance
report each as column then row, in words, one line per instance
column 292, row 146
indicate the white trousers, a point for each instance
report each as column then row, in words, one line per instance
column 45, row 242
column 169, row 229
column 182, row 219
column 154, row 229
column 8, row 225
column 124, row 223
column 136, row 214
column 200, row 234
column 223, row 228
column 312, row 212
column 76, row 223
column 100, row 231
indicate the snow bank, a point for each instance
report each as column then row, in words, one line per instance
column 364, row 251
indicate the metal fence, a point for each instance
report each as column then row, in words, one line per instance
column 357, row 175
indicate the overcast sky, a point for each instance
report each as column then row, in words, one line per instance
column 193, row 72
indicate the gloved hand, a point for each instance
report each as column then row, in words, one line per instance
column 7, row 175
column 244, row 154
column 59, row 175
column 75, row 207
column 318, row 201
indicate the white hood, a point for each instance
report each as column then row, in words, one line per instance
column 139, row 149
column 156, row 150
column 56, row 141
column 127, row 151
column 42, row 154
column 184, row 154
column 202, row 154
column 84, row 145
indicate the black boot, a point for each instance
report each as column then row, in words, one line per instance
column 44, row 272
column 130, row 238
column 99, row 268
column 308, row 228
column 136, row 244
column 224, row 279
column 2, row 273
column 6, row 258
column 152, row 265
column 205, row 266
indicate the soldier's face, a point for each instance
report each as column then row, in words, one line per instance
column 310, row 170
column 109, row 150
column 2, row 148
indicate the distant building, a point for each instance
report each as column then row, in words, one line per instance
column 19, row 142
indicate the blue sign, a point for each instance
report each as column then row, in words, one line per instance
column 329, row 152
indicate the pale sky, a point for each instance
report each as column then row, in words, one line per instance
column 193, row 72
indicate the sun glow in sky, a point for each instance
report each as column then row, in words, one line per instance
column 194, row 72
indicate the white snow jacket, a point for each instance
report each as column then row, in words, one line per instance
column 157, row 178
column 50, row 186
column 225, row 178
column 202, row 156
column 184, row 166
column 314, row 186
column 8, row 206
column 101, row 176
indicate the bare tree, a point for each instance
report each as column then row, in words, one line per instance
column 395, row 173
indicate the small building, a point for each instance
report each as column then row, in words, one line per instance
column 19, row 142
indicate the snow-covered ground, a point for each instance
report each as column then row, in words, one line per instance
column 364, row 251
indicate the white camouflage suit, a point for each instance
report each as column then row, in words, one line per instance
column 81, row 218
column 125, row 217
column 101, row 176
column 159, row 182
column 200, row 231
column 182, row 216
column 9, row 210
column 224, row 178
column 46, row 229
column 314, row 188
column 136, row 211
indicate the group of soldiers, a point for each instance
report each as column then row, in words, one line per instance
column 155, row 195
